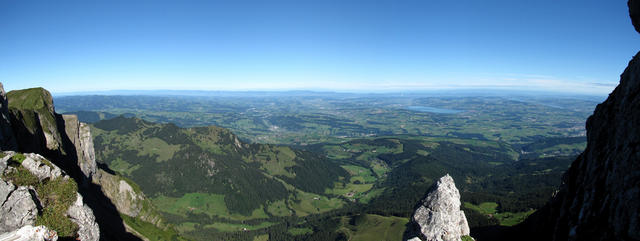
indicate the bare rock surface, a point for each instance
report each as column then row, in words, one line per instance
column 40, row 167
column 439, row 216
column 18, row 208
column 82, row 215
column 30, row 233
column 80, row 136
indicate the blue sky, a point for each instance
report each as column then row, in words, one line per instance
column 66, row 46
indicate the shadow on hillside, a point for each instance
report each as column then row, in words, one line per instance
column 107, row 216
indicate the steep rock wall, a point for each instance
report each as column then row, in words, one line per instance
column 599, row 198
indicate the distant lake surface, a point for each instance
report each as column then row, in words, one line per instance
column 433, row 109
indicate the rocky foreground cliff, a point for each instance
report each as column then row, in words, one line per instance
column 33, row 191
column 49, row 179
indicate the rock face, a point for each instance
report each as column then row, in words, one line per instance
column 121, row 193
column 82, row 215
column 30, row 233
column 18, row 207
column 599, row 198
column 34, row 121
column 80, row 136
column 125, row 198
column 39, row 129
column 439, row 217
column 7, row 139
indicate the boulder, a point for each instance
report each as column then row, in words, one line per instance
column 40, row 167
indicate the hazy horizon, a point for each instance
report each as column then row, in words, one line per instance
column 354, row 46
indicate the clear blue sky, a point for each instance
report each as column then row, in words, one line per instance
column 559, row 45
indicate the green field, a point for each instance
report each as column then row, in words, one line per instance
column 505, row 218
column 210, row 204
column 373, row 227
column 309, row 203
column 230, row 227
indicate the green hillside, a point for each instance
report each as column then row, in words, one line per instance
column 205, row 177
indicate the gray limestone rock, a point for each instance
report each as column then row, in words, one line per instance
column 40, row 167
column 126, row 200
column 82, row 215
column 30, row 233
column 80, row 135
column 18, row 209
column 5, row 160
column 439, row 216
column 6, row 188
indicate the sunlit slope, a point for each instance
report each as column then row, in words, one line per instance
column 206, row 175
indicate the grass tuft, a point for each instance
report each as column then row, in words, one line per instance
column 18, row 158
column 466, row 238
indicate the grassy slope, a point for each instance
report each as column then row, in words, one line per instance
column 505, row 218
column 129, row 146
column 373, row 227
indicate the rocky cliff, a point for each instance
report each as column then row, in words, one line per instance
column 438, row 216
column 80, row 136
column 7, row 139
column 37, row 128
column 599, row 198
column 34, row 122
column 34, row 191
column 29, row 123
column 128, row 198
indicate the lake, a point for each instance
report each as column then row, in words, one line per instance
column 433, row 110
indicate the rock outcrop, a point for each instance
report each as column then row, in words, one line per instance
column 126, row 200
column 30, row 233
column 21, row 205
column 599, row 198
column 40, row 167
column 7, row 139
column 439, row 217
column 34, row 121
column 18, row 207
column 82, row 215
column 80, row 136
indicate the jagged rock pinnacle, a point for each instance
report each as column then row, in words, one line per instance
column 439, row 216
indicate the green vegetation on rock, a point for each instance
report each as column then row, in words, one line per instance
column 56, row 196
